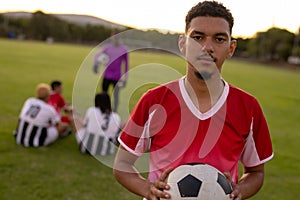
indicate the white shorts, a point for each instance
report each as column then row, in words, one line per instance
column 52, row 135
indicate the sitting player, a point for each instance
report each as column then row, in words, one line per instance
column 97, row 132
column 39, row 124
column 58, row 102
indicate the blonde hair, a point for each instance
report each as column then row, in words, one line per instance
column 43, row 91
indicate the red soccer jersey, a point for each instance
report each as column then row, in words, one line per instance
column 166, row 121
column 57, row 101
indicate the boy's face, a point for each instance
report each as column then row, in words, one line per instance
column 58, row 89
column 207, row 44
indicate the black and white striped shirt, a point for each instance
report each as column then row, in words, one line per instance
column 99, row 134
column 35, row 119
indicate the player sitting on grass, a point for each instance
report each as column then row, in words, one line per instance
column 57, row 100
column 39, row 124
column 96, row 134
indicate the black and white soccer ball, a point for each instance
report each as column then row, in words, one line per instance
column 198, row 182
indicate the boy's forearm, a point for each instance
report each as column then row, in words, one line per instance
column 133, row 182
column 250, row 183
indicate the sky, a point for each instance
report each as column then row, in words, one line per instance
column 250, row 16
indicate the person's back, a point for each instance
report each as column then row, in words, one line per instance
column 98, row 136
column 37, row 121
column 100, row 128
column 102, row 123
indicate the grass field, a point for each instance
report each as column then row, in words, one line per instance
column 61, row 172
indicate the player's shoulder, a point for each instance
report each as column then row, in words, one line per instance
column 92, row 110
column 35, row 101
column 32, row 99
column 237, row 90
column 55, row 96
column 166, row 87
column 107, row 46
column 158, row 93
column 42, row 104
column 116, row 117
column 48, row 107
column 241, row 95
column 124, row 46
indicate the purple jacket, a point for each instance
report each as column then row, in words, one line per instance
column 117, row 55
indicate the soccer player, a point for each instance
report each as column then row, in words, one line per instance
column 116, row 71
column 97, row 133
column 39, row 124
column 199, row 118
column 57, row 100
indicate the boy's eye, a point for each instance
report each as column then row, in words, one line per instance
column 220, row 39
column 197, row 37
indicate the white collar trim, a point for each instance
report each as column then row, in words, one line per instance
column 194, row 109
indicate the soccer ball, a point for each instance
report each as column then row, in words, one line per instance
column 103, row 59
column 198, row 182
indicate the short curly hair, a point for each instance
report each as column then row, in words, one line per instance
column 209, row 9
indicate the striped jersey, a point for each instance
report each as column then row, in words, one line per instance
column 99, row 132
column 167, row 124
column 35, row 119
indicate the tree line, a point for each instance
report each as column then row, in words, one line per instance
column 275, row 44
column 43, row 26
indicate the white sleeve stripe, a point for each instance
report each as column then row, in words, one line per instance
column 267, row 159
column 128, row 148
column 260, row 162
column 144, row 141
column 250, row 157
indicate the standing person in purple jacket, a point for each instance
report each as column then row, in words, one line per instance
column 114, row 56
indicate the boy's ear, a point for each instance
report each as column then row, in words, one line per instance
column 233, row 44
column 181, row 43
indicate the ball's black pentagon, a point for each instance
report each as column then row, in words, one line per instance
column 224, row 183
column 189, row 186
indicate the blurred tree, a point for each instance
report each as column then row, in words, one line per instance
column 274, row 44
column 242, row 47
column 39, row 26
column 96, row 33
column 296, row 44
column 76, row 33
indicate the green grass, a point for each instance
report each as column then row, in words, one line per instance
column 61, row 172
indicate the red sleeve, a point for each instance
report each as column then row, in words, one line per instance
column 261, row 134
column 258, row 147
column 133, row 138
